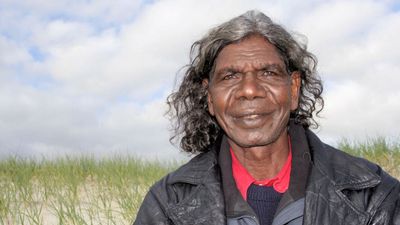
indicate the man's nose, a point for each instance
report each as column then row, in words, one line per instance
column 250, row 87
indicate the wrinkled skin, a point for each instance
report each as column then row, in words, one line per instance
column 251, row 94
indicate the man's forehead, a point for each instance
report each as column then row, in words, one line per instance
column 255, row 50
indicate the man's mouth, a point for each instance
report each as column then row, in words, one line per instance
column 250, row 115
column 251, row 120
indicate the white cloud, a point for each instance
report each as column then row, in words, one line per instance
column 358, row 62
column 101, row 12
column 51, row 123
column 11, row 54
column 92, row 76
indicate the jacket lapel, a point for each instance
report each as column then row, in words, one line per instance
column 205, row 205
column 332, row 175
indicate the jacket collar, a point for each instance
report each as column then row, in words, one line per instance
column 343, row 171
column 235, row 205
column 194, row 172
column 335, row 176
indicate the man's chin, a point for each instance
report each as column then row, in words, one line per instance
column 250, row 143
column 256, row 139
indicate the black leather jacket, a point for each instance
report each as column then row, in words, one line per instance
column 341, row 189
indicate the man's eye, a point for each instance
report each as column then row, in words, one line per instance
column 229, row 76
column 269, row 73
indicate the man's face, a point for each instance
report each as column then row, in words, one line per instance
column 250, row 92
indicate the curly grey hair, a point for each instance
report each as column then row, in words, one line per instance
column 188, row 109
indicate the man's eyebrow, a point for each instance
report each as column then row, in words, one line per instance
column 260, row 66
column 271, row 66
column 230, row 68
column 277, row 67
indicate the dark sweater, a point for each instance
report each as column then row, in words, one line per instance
column 264, row 200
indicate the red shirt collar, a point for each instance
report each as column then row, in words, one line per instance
column 243, row 179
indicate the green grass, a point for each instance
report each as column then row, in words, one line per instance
column 83, row 190
column 75, row 190
column 379, row 150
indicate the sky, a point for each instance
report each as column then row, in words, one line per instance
column 91, row 77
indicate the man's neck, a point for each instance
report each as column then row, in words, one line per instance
column 263, row 162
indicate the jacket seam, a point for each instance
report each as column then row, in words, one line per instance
column 163, row 208
column 366, row 214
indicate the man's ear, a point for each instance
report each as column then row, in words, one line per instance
column 295, row 89
column 209, row 99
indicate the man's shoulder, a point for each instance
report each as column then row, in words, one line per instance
column 172, row 197
column 196, row 171
column 176, row 186
column 364, row 184
column 344, row 167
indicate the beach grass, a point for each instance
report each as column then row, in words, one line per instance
column 75, row 190
column 85, row 190
column 379, row 150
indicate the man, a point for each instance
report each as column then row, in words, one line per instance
column 245, row 104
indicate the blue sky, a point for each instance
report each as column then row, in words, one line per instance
column 92, row 76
